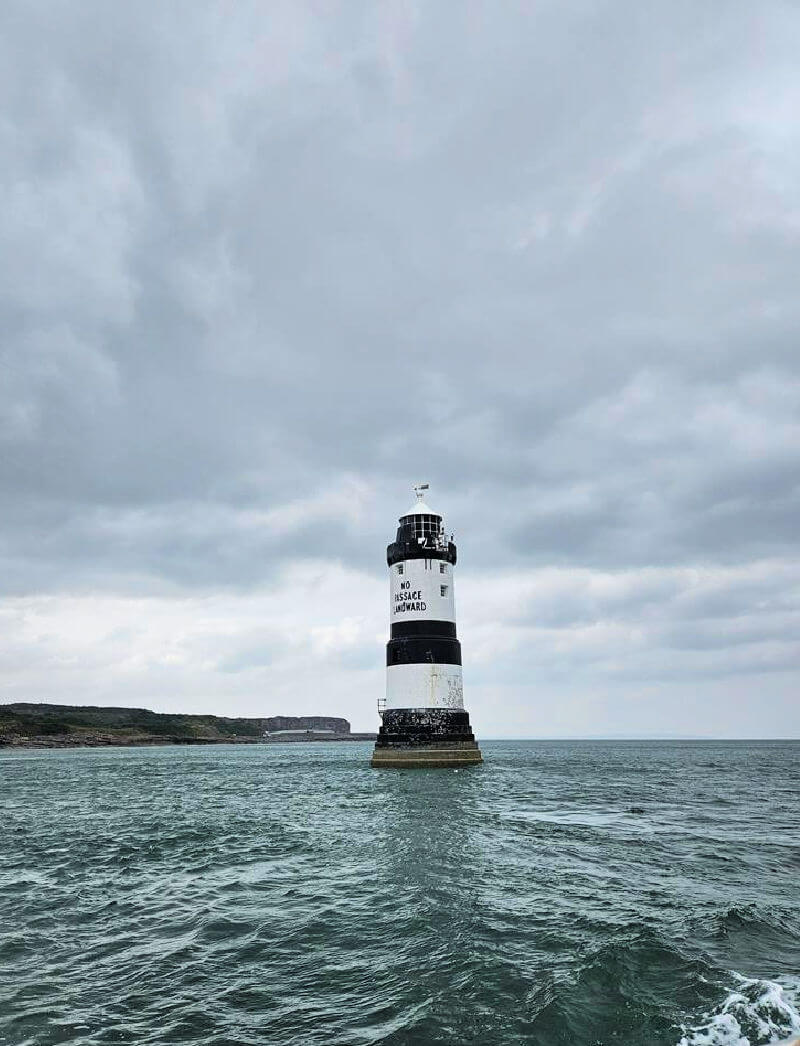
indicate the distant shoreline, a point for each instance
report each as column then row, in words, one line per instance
column 27, row 725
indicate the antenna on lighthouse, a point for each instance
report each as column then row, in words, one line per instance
column 418, row 489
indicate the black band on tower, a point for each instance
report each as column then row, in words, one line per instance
column 412, row 629
column 425, row 649
column 397, row 552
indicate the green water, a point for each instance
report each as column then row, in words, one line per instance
column 291, row 895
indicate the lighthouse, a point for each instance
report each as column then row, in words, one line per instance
column 424, row 723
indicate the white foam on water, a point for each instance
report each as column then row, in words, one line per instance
column 755, row 1012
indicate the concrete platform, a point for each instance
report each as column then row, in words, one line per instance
column 425, row 758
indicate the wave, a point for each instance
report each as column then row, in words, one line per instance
column 758, row 919
column 644, row 989
column 754, row 1013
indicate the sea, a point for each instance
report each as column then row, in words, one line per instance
column 564, row 892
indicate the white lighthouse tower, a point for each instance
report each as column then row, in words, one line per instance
column 424, row 722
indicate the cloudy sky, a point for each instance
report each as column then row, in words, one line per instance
column 264, row 266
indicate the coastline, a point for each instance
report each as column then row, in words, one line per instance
column 28, row 725
column 110, row 741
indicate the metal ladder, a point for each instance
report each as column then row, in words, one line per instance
column 381, row 706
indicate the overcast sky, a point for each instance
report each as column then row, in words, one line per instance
column 264, row 266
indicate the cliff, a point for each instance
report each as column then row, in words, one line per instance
column 306, row 722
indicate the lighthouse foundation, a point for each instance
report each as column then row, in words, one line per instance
column 419, row 738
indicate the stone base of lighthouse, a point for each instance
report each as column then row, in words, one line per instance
column 421, row 738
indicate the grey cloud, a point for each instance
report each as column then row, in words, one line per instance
column 546, row 260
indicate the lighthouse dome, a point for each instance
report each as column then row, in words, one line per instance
column 419, row 508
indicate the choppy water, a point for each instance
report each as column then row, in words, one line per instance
column 291, row 895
